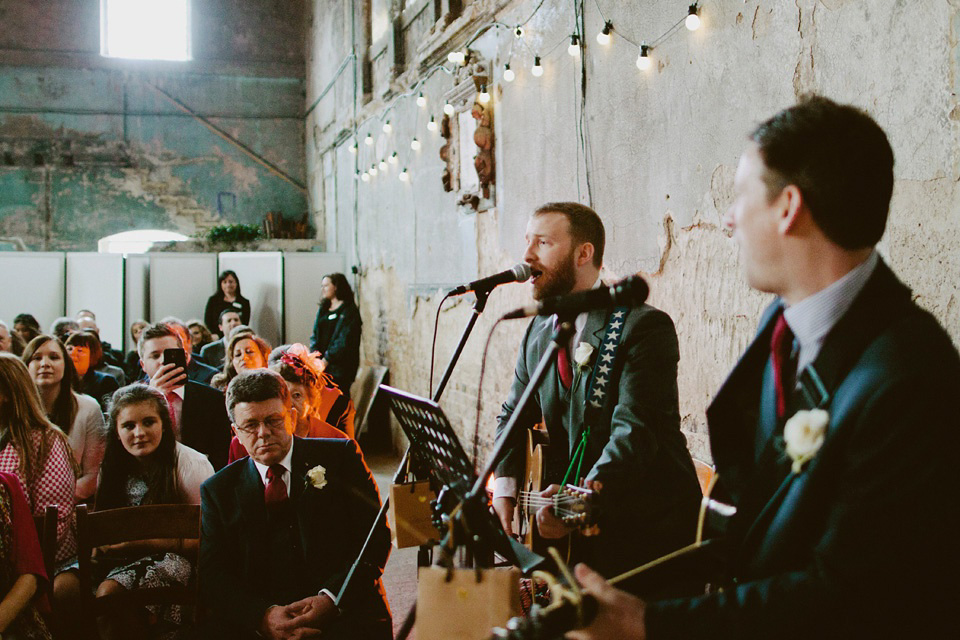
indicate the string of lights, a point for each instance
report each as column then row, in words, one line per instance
column 576, row 47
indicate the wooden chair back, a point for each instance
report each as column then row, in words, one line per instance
column 113, row 526
column 704, row 474
column 47, row 532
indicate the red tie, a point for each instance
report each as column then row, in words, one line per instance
column 784, row 370
column 275, row 492
column 563, row 363
column 174, row 402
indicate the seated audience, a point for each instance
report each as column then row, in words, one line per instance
column 197, row 411
column 144, row 464
column 76, row 414
column 196, row 370
column 131, row 363
column 37, row 453
column 63, row 327
column 22, row 573
column 6, row 338
column 307, row 385
column 27, row 326
column 200, row 335
column 213, row 353
column 227, row 296
column 271, row 558
column 246, row 351
column 331, row 404
column 83, row 349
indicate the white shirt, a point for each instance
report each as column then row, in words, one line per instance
column 507, row 487
column 286, row 463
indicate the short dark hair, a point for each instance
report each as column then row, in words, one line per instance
column 840, row 160
column 225, row 312
column 63, row 326
column 585, row 225
column 28, row 320
column 256, row 386
column 157, row 330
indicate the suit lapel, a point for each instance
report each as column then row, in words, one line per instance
column 249, row 491
column 298, row 471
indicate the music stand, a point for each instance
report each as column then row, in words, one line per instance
column 436, row 448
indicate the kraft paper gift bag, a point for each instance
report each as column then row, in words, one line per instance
column 463, row 608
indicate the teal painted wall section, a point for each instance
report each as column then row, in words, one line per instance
column 85, row 153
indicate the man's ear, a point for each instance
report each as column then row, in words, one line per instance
column 585, row 254
column 793, row 207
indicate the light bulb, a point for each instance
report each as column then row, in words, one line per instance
column 574, row 48
column 432, row 125
column 508, row 74
column 519, row 32
column 483, row 97
column 387, row 127
column 643, row 60
column 383, row 165
column 373, row 169
column 353, row 147
column 404, row 176
column 368, row 140
column 693, row 20
column 421, row 100
column 604, row 36
column 448, row 109
column 365, row 176
column 393, row 159
column 457, row 57
column 537, row 70
column 415, row 144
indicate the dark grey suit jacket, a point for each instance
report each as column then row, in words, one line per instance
column 859, row 543
column 650, row 492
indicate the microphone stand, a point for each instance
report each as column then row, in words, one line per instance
column 478, row 307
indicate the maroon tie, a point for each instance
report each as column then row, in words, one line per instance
column 784, row 370
column 174, row 404
column 276, row 491
column 563, row 363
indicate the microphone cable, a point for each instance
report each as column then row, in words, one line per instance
column 433, row 344
column 483, row 368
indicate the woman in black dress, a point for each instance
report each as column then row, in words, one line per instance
column 336, row 332
column 227, row 297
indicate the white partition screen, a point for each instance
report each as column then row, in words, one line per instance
column 261, row 282
column 95, row 282
column 32, row 283
column 136, row 294
column 180, row 284
column 302, row 274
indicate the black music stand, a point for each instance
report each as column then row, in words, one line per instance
column 436, row 448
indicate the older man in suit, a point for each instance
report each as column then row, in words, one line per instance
column 834, row 434
column 609, row 404
column 282, row 528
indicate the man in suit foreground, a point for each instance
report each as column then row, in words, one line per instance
column 841, row 473
column 282, row 528
column 633, row 446
column 199, row 416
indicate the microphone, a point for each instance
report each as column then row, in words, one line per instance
column 517, row 273
column 630, row 291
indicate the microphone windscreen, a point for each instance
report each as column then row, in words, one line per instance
column 522, row 272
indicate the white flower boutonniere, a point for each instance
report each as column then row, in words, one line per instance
column 582, row 355
column 803, row 435
column 317, row 477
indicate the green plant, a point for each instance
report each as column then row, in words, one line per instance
column 226, row 233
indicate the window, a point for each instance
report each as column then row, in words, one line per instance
column 145, row 29
column 139, row 241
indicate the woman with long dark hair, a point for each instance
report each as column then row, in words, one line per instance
column 78, row 415
column 144, row 464
column 336, row 331
column 227, row 296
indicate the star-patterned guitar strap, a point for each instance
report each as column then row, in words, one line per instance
column 597, row 388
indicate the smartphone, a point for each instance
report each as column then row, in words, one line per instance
column 176, row 356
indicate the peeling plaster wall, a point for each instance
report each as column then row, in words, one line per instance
column 661, row 151
column 91, row 146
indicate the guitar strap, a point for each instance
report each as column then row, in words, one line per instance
column 597, row 387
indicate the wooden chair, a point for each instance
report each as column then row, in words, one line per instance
column 47, row 532
column 705, row 473
column 113, row 526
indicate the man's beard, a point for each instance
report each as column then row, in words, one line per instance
column 557, row 282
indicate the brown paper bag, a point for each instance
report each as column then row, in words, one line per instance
column 411, row 523
column 464, row 609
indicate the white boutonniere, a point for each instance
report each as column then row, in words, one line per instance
column 803, row 436
column 317, row 477
column 582, row 355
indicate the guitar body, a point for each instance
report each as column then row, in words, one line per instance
column 524, row 519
